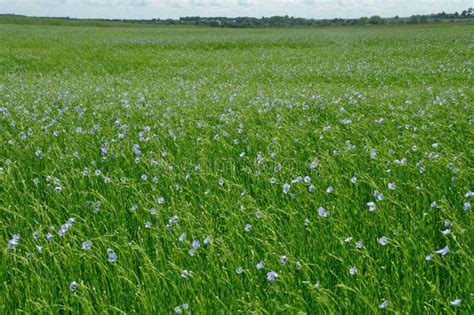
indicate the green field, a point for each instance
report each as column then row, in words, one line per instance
column 157, row 170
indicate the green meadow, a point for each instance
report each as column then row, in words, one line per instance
column 157, row 170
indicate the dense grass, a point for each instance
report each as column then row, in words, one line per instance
column 217, row 122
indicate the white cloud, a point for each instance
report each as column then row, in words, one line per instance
column 175, row 8
column 117, row 3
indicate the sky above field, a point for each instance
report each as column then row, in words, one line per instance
column 146, row 9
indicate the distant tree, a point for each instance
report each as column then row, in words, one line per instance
column 413, row 19
column 215, row 23
column 363, row 21
column 375, row 20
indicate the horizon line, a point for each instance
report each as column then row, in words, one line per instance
column 216, row 17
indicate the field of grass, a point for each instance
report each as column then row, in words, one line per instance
column 192, row 170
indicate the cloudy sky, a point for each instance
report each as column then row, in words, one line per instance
column 138, row 9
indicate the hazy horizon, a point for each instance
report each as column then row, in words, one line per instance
column 148, row 9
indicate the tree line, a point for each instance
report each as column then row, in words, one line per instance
column 287, row 21
column 249, row 22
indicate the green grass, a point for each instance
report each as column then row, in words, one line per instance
column 291, row 97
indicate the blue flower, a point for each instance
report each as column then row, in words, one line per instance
column 322, row 212
column 467, row 206
column 272, row 276
column 372, row 206
column 383, row 240
column 352, row 270
column 111, row 255
column 73, row 286
column 196, row 244
column 13, row 243
column 384, row 304
column 455, row 302
column 86, row 245
column 443, row 251
column 248, row 227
